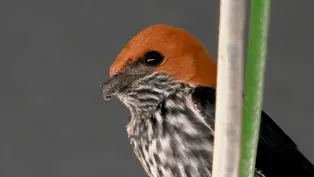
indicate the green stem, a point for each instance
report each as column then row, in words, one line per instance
column 254, row 83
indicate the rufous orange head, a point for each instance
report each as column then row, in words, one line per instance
column 161, row 49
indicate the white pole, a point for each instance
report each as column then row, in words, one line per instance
column 230, row 81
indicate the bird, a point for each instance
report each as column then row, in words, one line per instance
column 167, row 80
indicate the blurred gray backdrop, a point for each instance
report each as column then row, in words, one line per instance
column 53, row 119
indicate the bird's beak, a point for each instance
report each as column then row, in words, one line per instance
column 117, row 84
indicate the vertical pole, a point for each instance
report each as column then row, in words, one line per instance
column 229, row 105
column 254, row 83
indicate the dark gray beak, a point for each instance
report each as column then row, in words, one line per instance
column 118, row 83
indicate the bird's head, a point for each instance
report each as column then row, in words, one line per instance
column 158, row 59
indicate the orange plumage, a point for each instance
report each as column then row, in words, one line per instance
column 192, row 62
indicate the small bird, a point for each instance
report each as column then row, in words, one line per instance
column 167, row 80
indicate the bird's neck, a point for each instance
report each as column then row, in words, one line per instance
column 149, row 93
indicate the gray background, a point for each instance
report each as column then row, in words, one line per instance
column 53, row 120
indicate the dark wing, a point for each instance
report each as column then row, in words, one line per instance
column 277, row 154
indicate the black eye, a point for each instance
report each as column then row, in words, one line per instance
column 153, row 58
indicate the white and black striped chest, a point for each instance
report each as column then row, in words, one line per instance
column 175, row 141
